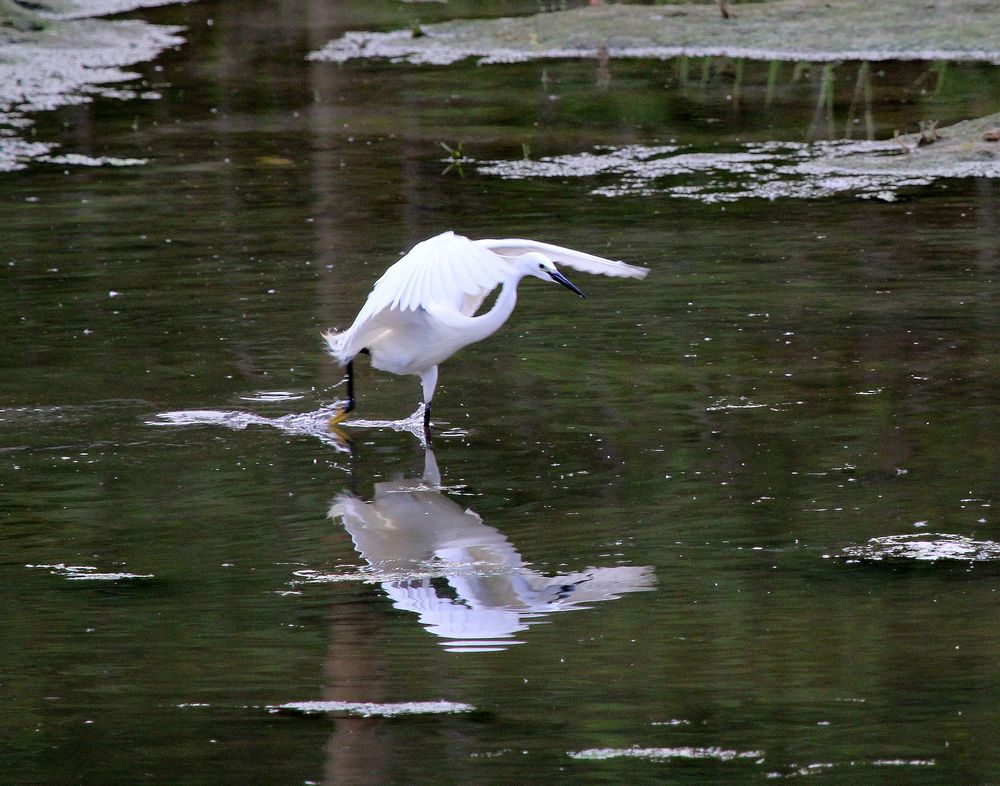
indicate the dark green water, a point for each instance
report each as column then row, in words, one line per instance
column 793, row 379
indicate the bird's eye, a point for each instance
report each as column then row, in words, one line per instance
column 541, row 266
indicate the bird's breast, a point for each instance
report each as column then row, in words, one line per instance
column 415, row 342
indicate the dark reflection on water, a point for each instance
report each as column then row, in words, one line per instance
column 794, row 380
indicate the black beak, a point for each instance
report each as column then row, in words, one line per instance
column 559, row 277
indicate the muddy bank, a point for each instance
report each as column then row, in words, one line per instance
column 56, row 54
column 813, row 30
column 969, row 148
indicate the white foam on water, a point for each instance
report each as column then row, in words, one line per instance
column 770, row 170
column 273, row 396
column 663, row 754
column 372, row 709
column 88, row 573
column 925, row 547
column 904, row 763
column 77, row 159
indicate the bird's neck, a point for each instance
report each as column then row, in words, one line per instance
column 503, row 306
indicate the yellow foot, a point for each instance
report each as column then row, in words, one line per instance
column 339, row 434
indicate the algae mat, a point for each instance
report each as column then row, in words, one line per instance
column 967, row 30
column 772, row 170
column 63, row 57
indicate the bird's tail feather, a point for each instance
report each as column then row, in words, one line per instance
column 335, row 346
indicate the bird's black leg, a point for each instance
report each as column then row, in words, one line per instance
column 341, row 412
column 350, row 387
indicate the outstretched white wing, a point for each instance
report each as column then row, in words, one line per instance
column 578, row 260
column 441, row 271
column 450, row 276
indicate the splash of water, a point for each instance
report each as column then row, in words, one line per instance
column 313, row 424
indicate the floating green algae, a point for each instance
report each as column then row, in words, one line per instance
column 785, row 30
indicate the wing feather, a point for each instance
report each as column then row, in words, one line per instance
column 465, row 281
column 578, row 260
column 442, row 270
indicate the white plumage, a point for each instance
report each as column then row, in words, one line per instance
column 423, row 308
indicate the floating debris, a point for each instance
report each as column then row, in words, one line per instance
column 77, row 159
column 925, row 546
column 371, row 709
column 904, row 763
column 769, row 170
column 664, row 754
column 88, row 573
column 273, row 396
column 806, row 770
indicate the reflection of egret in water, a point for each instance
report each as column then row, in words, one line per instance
column 419, row 540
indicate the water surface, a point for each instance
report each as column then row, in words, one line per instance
column 743, row 441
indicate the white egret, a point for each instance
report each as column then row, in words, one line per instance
column 423, row 308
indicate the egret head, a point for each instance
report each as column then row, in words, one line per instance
column 540, row 266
